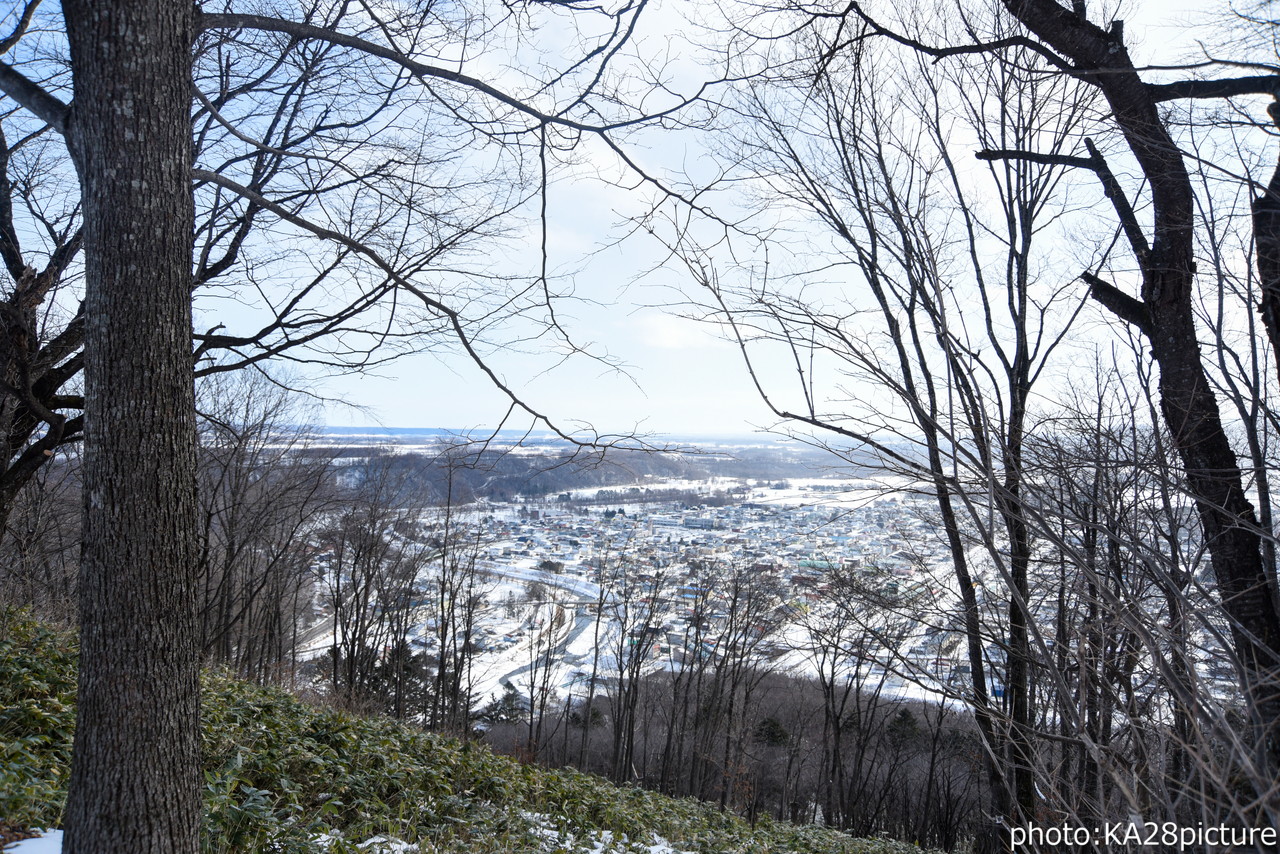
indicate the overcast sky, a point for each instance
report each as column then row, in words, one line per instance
column 679, row 377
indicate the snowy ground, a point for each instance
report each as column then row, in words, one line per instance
column 50, row 843
column 602, row 842
column 516, row 641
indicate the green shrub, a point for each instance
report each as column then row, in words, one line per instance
column 37, row 720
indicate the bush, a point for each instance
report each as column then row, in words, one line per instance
column 37, row 720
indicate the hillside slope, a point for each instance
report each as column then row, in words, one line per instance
column 282, row 776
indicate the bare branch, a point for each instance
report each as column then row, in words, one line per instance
column 939, row 53
column 1120, row 304
column 34, row 98
column 1119, row 200
column 450, row 315
column 1261, row 84
column 24, row 21
column 1097, row 164
column 417, row 69
column 993, row 154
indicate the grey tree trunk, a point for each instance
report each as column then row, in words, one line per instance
column 135, row 772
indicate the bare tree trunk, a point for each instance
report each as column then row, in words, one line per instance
column 135, row 773
column 1266, row 232
column 1163, row 314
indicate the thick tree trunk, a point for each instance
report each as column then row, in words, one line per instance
column 135, row 773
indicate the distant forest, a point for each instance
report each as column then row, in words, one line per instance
column 459, row 474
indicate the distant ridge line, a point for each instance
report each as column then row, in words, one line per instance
column 514, row 435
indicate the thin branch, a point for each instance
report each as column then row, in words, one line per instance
column 1096, row 164
column 243, row 137
column 205, row 21
column 297, row 30
column 450, row 315
column 24, row 21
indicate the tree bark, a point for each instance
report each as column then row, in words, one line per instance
column 1266, row 234
column 135, row 772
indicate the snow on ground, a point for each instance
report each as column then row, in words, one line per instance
column 810, row 521
column 516, row 642
column 50, row 843
column 602, row 842
column 825, row 492
column 374, row 845
column 513, row 581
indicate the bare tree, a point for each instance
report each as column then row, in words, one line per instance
column 851, row 638
column 40, row 241
column 947, row 314
column 1163, row 315
column 262, row 492
column 634, row 614
column 548, row 624
column 459, row 591
column 370, row 577
column 741, row 618
column 136, row 742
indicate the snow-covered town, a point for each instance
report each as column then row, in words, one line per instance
column 572, row 588
column 565, row 594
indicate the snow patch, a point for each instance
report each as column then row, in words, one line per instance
column 601, row 841
column 50, row 843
